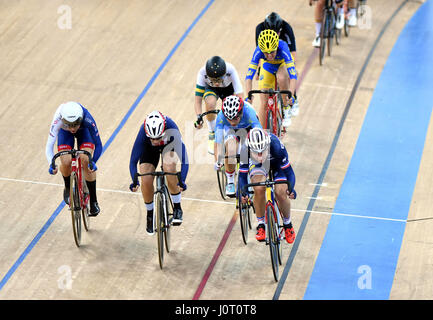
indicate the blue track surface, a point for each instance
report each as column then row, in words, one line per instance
column 358, row 256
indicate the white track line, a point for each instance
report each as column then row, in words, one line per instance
column 211, row 201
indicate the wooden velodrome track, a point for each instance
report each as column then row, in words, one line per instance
column 127, row 55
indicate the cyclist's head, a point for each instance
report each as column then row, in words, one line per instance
column 232, row 107
column 273, row 21
column 215, row 67
column 258, row 140
column 71, row 114
column 154, row 125
column 268, row 41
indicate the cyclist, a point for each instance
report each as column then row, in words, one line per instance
column 266, row 152
column 217, row 79
column 158, row 135
column 281, row 27
column 233, row 123
column 72, row 121
column 285, row 32
column 318, row 18
column 278, row 66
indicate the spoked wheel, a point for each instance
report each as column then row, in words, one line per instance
column 167, row 221
column 337, row 32
column 279, row 229
column 272, row 239
column 85, row 211
column 244, row 219
column 222, row 181
column 74, row 200
column 160, row 227
column 330, row 22
column 346, row 27
column 270, row 121
column 323, row 34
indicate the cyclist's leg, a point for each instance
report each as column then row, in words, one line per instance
column 85, row 142
column 284, row 205
column 318, row 18
column 257, row 174
column 169, row 165
column 231, row 147
column 147, row 164
column 210, row 99
column 65, row 141
column 266, row 82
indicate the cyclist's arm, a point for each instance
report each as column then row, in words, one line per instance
column 236, row 81
column 137, row 151
column 288, row 60
column 90, row 123
column 288, row 31
column 56, row 124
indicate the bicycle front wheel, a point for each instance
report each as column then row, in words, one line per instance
column 75, row 207
column 272, row 239
column 222, row 182
column 323, row 34
column 159, row 206
column 330, row 22
column 243, row 219
column 168, row 217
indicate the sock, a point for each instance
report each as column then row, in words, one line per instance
column 176, row 200
column 211, row 125
column 230, row 177
column 91, row 185
column 261, row 220
column 287, row 222
column 149, row 208
column 67, row 181
column 318, row 28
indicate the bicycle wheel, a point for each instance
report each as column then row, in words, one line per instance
column 168, row 218
column 330, row 28
column 159, row 206
column 222, row 182
column 85, row 210
column 272, row 239
column 323, row 34
column 270, row 121
column 337, row 32
column 74, row 200
column 243, row 218
column 279, row 232
column 346, row 27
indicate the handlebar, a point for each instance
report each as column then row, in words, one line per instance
column 74, row 154
column 267, row 183
column 270, row 91
column 216, row 111
column 159, row 174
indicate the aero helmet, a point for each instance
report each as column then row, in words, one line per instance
column 215, row 67
column 273, row 21
column 154, row 125
column 268, row 41
column 258, row 140
column 232, row 106
column 71, row 113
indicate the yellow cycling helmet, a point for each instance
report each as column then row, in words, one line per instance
column 268, row 41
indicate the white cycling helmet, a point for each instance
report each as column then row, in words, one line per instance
column 232, row 107
column 154, row 125
column 258, row 140
column 71, row 113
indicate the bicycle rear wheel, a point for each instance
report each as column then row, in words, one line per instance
column 85, row 210
column 159, row 206
column 331, row 30
column 323, row 34
column 168, row 217
column 75, row 207
column 222, row 182
column 272, row 239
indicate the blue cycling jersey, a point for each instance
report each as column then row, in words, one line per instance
column 248, row 121
column 172, row 139
column 277, row 161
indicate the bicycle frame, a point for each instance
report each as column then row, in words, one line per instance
column 273, row 111
column 83, row 197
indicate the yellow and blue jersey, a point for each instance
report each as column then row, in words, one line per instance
column 283, row 57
